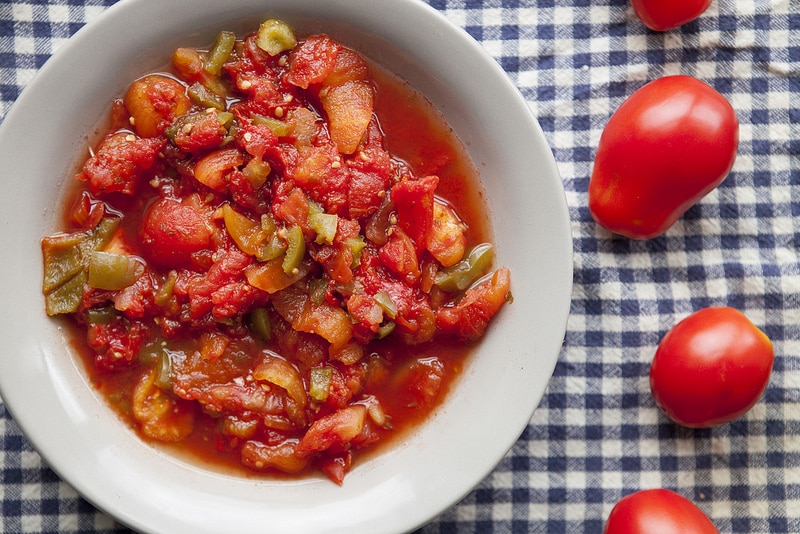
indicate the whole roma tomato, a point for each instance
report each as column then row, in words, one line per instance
column 657, row 510
column 662, row 15
column 711, row 367
column 667, row 146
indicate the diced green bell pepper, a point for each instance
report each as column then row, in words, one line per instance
column 319, row 383
column 260, row 323
column 460, row 276
column 203, row 96
column 295, row 251
column 111, row 271
column 66, row 262
column 67, row 297
column 275, row 36
column 220, row 52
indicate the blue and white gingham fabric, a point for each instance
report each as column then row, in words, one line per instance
column 597, row 435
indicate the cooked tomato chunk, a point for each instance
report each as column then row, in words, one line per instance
column 469, row 318
column 312, row 61
column 172, row 231
column 119, row 163
column 154, row 102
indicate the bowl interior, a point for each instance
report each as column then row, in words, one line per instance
column 45, row 136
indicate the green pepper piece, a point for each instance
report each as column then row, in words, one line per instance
column 102, row 315
column 256, row 172
column 319, row 383
column 279, row 128
column 66, row 260
column 273, row 246
column 99, row 238
column 268, row 224
column 295, row 251
column 166, row 289
column 275, row 36
column 385, row 329
column 67, row 297
column 111, row 271
column 225, row 118
column 356, row 245
column 317, row 289
column 203, row 96
column 62, row 259
column 260, row 323
column 164, row 371
column 271, row 249
column 460, row 276
column 386, row 303
column 325, row 224
column 220, row 52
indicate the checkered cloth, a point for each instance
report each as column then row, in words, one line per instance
column 597, row 435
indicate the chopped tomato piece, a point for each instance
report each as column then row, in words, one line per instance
column 399, row 254
column 203, row 133
column 295, row 305
column 154, row 102
column 312, row 61
column 414, row 200
column 172, row 231
column 87, row 212
column 338, row 428
column 116, row 343
column 336, row 467
column 256, row 139
column 212, row 169
column 320, row 172
column 282, row 457
column 160, row 414
column 447, row 240
column 418, row 383
column 349, row 66
column 349, row 109
column 370, row 177
column 119, row 163
column 469, row 318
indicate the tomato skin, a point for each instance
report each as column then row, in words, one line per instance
column 171, row 231
column 660, row 15
column 711, row 368
column 154, row 102
column 657, row 510
column 667, row 146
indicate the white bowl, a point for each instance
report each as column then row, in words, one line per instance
column 80, row 437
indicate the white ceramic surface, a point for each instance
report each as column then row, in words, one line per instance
column 44, row 387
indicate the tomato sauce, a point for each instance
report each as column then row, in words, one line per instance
column 277, row 259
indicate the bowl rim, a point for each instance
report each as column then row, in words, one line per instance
column 413, row 504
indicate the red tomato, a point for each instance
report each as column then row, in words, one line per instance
column 657, row 510
column 661, row 16
column 312, row 61
column 667, row 146
column 154, row 102
column 711, row 368
column 414, row 204
column 171, row 232
column 470, row 317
